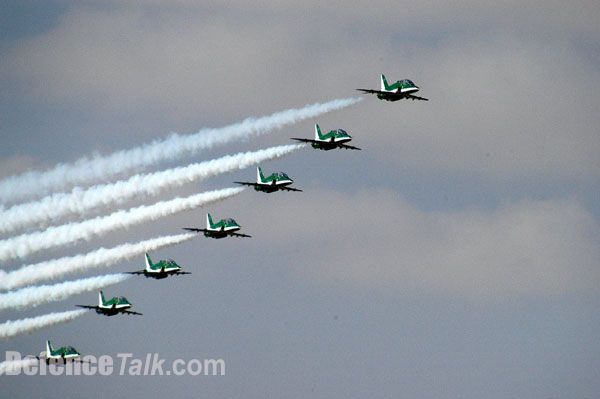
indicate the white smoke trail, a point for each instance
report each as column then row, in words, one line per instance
column 12, row 328
column 78, row 201
column 13, row 366
column 98, row 167
column 37, row 295
column 105, row 257
column 26, row 244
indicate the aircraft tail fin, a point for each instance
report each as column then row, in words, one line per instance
column 318, row 134
column 209, row 221
column 100, row 298
column 48, row 349
column 384, row 84
column 148, row 261
column 259, row 175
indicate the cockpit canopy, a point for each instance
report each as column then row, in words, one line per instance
column 407, row 83
column 230, row 221
column 282, row 175
column 69, row 350
column 341, row 132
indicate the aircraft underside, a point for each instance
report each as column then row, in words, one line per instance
column 269, row 188
column 157, row 276
column 107, row 312
column 266, row 189
column 215, row 234
column 325, row 146
column 391, row 96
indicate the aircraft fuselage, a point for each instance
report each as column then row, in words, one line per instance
column 395, row 96
column 275, row 185
column 222, row 232
column 332, row 143
column 161, row 273
column 112, row 310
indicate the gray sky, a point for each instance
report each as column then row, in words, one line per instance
column 456, row 256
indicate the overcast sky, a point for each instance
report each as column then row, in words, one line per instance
column 456, row 256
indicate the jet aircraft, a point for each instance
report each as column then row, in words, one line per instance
column 65, row 353
column 334, row 139
column 402, row 89
column 221, row 229
column 274, row 182
column 112, row 306
column 160, row 269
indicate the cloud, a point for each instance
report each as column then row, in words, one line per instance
column 512, row 97
column 16, row 164
column 504, row 107
column 375, row 240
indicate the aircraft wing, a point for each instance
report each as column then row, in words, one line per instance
column 416, row 97
column 135, row 272
column 44, row 358
column 131, row 312
column 304, row 140
column 349, row 147
column 370, row 91
column 178, row 273
column 396, row 95
column 239, row 235
column 246, row 183
column 289, row 189
column 87, row 306
column 194, row 229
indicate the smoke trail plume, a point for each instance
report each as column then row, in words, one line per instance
column 12, row 366
column 98, row 167
column 26, row 244
column 37, row 295
column 103, row 257
column 12, row 328
column 78, row 201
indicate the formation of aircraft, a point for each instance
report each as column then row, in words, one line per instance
column 274, row 182
column 221, row 229
column 111, row 307
column 160, row 269
column 402, row 89
column 63, row 353
column 333, row 139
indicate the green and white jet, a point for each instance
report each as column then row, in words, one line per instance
column 400, row 90
column 221, row 229
column 160, row 269
column 65, row 353
column 111, row 307
column 274, row 182
column 329, row 141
